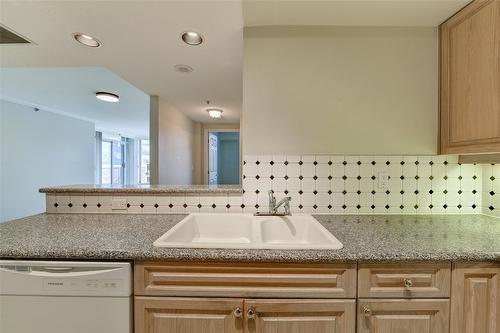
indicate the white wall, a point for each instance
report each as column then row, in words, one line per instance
column 40, row 149
column 340, row 90
column 176, row 146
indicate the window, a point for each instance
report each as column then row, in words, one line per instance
column 144, row 162
column 112, row 160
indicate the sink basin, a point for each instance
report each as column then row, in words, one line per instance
column 245, row 231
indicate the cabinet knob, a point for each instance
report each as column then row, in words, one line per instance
column 251, row 313
column 408, row 283
column 237, row 312
column 366, row 311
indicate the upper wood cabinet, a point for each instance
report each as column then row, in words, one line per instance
column 475, row 298
column 470, row 80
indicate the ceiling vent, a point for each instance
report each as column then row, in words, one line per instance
column 9, row 37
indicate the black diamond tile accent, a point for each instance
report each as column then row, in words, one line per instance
column 315, row 177
column 272, row 177
column 431, row 163
column 431, row 191
column 70, row 205
column 358, row 192
column 387, row 206
column 330, row 207
column 272, row 162
column 300, row 192
column 387, row 192
column 315, row 192
column 185, row 205
column 344, row 192
column 445, row 191
column 401, row 192
column 492, row 193
column 459, row 192
column 372, row 206
column 373, row 162
column 315, row 206
column 213, row 205
column 417, row 162
column 358, row 206
column 256, row 206
column 286, row 162
column 300, row 206
column 460, row 177
column 431, row 206
column 330, row 163
column 474, row 206
column 416, row 192
column 459, row 206
column 199, row 206
column 402, row 177
column 431, row 177
column 358, row 177
column 402, row 162
column 330, row 192
column 257, row 191
column 315, row 163
column 401, row 207
column 300, row 162
column 257, row 177
column 344, row 163
column 286, row 177
column 474, row 177
column 373, row 192
column 300, row 177
column 85, row 205
column 257, row 162
column 417, row 177
column 99, row 205
column 170, row 206
column 244, row 177
column 491, row 208
column 373, row 177
column 228, row 206
column 492, row 178
column 416, row 206
column 56, row 205
column 445, row 206
column 358, row 162
column 387, row 163
column 330, row 177
column 244, row 162
column 474, row 191
column 344, row 206
column 344, row 177
column 156, row 205
column 242, row 206
column 445, row 162
column 445, row 177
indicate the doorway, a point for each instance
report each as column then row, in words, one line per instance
column 223, row 157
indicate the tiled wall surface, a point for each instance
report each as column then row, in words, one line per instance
column 491, row 190
column 328, row 185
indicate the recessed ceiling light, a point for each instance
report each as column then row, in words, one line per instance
column 192, row 38
column 183, row 68
column 215, row 113
column 107, row 96
column 86, row 40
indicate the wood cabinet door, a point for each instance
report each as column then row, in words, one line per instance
column 475, row 298
column 470, row 80
column 187, row 315
column 300, row 316
column 403, row 315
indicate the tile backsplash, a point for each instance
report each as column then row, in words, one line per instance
column 328, row 185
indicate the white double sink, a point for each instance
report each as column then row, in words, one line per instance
column 245, row 231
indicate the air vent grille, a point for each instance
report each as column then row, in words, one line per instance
column 9, row 37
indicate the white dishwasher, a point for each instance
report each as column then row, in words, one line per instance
column 65, row 297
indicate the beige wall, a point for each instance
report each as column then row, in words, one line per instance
column 340, row 90
column 176, row 146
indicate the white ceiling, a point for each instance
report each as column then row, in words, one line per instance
column 429, row 13
column 141, row 43
column 71, row 91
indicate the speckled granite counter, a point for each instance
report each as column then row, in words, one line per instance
column 145, row 189
column 365, row 238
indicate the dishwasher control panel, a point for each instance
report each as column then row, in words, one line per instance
column 81, row 284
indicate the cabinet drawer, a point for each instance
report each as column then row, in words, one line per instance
column 246, row 280
column 404, row 280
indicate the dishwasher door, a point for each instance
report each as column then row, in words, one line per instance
column 64, row 297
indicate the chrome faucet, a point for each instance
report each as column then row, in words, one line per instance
column 273, row 206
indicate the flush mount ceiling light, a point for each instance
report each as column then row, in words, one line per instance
column 215, row 113
column 183, row 68
column 192, row 38
column 86, row 40
column 107, row 96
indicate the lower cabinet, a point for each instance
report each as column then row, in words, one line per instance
column 403, row 315
column 216, row 315
column 475, row 298
column 300, row 316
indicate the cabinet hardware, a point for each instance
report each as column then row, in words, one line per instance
column 408, row 283
column 366, row 311
column 237, row 312
column 251, row 313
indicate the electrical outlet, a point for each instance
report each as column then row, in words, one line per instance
column 119, row 204
column 383, row 179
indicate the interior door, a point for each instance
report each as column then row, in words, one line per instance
column 300, row 316
column 188, row 315
column 212, row 159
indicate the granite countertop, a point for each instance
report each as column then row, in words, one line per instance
column 151, row 189
column 365, row 238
